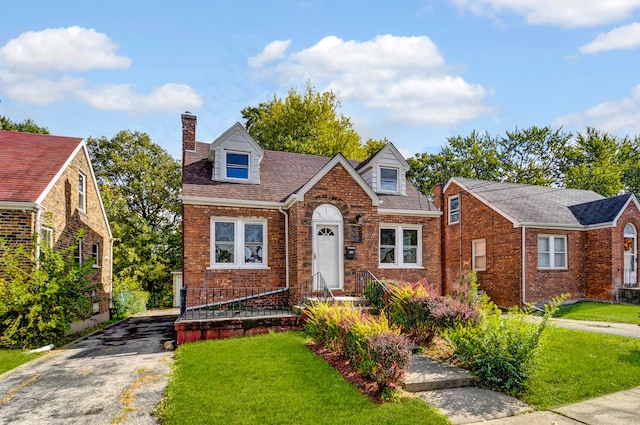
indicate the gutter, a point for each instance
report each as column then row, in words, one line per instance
column 524, row 265
column 286, row 244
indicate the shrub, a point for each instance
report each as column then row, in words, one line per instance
column 41, row 295
column 500, row 350
column 389, row 354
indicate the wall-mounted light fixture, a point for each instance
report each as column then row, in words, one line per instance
column 359, row 220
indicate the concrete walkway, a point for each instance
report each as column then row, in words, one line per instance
column 447, row 389
column 114, row 376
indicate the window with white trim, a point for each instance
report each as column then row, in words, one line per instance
column 552, row 252
column 82, row 191
column 78, row 253
column 95, row 253
column 46, row 236
column 238, row 243
column 454, row 209
column 388, row 179
column 479, row 254
column 237, row 165
column 400, row 246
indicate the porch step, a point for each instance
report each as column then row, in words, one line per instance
column 425, row 373
column 361, row 303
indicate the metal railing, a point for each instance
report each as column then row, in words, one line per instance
column 314, row 288
column 369, row 286
column 630, row 278
column 225, row 303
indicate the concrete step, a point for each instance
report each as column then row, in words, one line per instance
column 425, row 373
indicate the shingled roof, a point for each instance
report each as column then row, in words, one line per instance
column 30, row 162
column 282, row 174
column 533, row 205
column 602, row 211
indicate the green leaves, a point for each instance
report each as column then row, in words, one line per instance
column 140, row 184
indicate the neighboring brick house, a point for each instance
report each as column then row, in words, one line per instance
column 531, row 243
column 48, row 191
column 265, row 219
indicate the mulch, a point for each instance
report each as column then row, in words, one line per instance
column 343, row 366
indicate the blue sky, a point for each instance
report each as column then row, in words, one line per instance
column 415, row 72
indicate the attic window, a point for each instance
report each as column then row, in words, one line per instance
column 388, row 179
column 237, row 165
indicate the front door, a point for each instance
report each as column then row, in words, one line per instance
column 630, row 251
column 327, row 254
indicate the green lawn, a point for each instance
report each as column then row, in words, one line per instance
column 10, row 359
column 602, row 312
column 272, row 379
column 577, row 365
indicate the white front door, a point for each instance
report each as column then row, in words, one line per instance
column 630, row 252
column 327, row 254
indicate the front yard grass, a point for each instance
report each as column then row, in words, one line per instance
column 578, row 365
column 272, row 379
column 10, row 358
column 601, row 312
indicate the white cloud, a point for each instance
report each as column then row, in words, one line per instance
column 122, row 97
column 626, row 37
column 405, row 77
column 273, row 51
column 34, row 70
column 619, row 117
column 61, row 49
column 563, row 13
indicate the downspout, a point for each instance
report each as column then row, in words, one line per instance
column 524, row 265
column 111, row 274
column 286, row 244
column 39, row 209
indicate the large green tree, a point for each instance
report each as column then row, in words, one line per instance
column 140, row 183
column 26, row 126
column 306, row 122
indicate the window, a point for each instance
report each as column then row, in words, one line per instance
column 479, row 253
column 400, row 246
column 454, row 209
column 46, row 236
column 552, row 252
column 78, row 253
column 82, row 191
column 95, row 253
column 238, row 243
column 388, row 179
column 237, row 165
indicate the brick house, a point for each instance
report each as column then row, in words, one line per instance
column 48, row 191
column 265, row 219
column 530, row 243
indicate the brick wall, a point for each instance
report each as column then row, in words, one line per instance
column 62, row 214
column 16, row 228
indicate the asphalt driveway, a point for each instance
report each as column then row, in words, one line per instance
column 115, row 376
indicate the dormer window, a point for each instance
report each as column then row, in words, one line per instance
column 237, row 165
column 388, row 179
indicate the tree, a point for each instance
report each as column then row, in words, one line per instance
column 306, row 122
column 40, row 296
column 597, row 161
column 26, row 126
column 140, row 183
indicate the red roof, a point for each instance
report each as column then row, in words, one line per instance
column 29, row 162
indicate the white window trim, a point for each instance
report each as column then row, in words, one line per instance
column 82, row 204
column 95, row 254
column 475, row 255
column 451, row 198
column 380, row 189
column 248, row 154
column 399, row 247
column 46, row 235
column 79, row 252
column 238, row 243
column 552, row 265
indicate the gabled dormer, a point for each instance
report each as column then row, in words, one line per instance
column 385, row 171
column 236, row 157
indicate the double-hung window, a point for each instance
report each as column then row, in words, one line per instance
column 95, row 253
column 237, row 165
column 238, row 243
column 454, row 209
column 400, row 246
column 479, row 253
column 552, row 252
column 82, row 191
column 78, row 252
column 46, row 236
column 388, row 179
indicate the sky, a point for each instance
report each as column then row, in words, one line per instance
column 416, row 72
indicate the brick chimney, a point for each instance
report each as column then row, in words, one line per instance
column 188, row 132
column 438, row 196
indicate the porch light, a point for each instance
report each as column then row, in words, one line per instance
column 359, row 220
